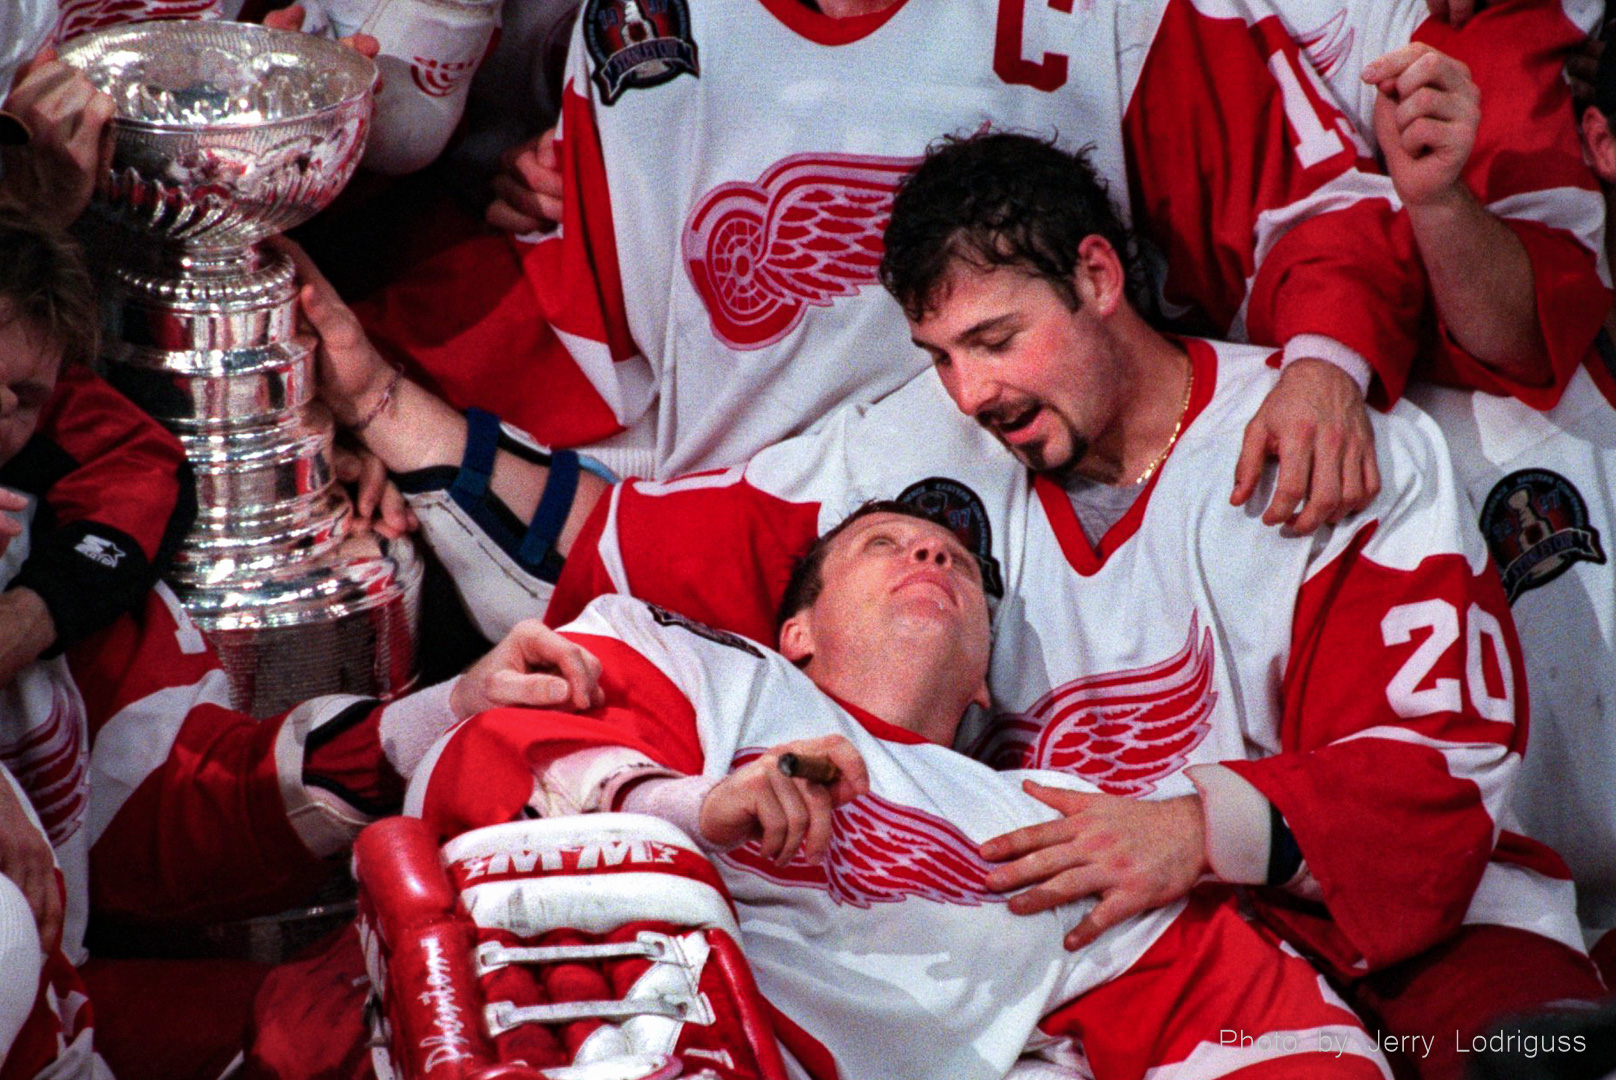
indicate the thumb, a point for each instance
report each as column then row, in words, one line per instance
column 532, row 689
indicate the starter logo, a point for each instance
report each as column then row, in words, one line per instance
column 101, row 550
column 637, row 44
column 1536, row 524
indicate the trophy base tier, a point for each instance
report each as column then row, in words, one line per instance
column 341, row 624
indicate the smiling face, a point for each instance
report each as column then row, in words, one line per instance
column 891, row 584
column 28, row 365
column 1044, row 377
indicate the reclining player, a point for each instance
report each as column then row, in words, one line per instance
column 864, row 909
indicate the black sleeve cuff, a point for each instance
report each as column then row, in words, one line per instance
column 87, row 574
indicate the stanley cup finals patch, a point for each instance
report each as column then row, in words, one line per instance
column 636, row 44
column 1536, row 523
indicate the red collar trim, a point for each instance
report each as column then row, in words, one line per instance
column 877, row 726
column 1058, row 508
column 821, row 29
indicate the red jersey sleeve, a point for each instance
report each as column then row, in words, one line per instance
column 1527, row 167
column 533, row 328
column 1262, row 198
column 192, row 801
column 115, row 499
column 484, row 772
column 1404, row 718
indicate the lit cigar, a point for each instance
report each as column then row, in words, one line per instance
column 811, row 767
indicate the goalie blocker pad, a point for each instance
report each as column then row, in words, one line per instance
column 592, row 947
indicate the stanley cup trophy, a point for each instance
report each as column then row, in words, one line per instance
column 226, row 134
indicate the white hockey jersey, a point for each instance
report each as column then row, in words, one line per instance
column 1366, row 674
column 729, row 166
column 1542, row 487
column 896, row 932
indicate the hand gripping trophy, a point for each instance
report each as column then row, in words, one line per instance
column 226, row 134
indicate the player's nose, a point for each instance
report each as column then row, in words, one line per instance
column 973, row 390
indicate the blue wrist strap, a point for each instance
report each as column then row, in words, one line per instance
column 554, row 506
column 477, row 463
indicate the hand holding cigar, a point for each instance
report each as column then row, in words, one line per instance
column 815, row 768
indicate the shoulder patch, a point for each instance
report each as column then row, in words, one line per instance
column 952, row 504
column 1536, row 525
column 638, row 44
column 663, row 617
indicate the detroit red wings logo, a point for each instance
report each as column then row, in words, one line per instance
column 1122, row 731
column 438, row 78
column 78, row 16
column 881, row 852
column 49, row 761
column 1328, row 45
column 807, row 233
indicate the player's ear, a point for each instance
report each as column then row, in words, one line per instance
column 1098, row 276
column 797, row 639
column 1601, row 143
column 982, row 698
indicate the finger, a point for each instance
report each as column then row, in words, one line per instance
column 500, row 215
column 12, row 500
column 583, row 680
column 29, row 92
column 1073, row 884
column 1248, row 467
column 1295, row 466
column 1038, row 867
column 531, row 689
column 1430, row 102
column 395, row 512
column 372, row 482
column 1324, row 494
column 1431, row 68
column 347, row 464
column 1423, row 136
column 1023, row 841
column 795, row 809
column 1389, row 66
column 517, row 196
column 44, row 56
column 365, row 46
column 287, row 18
column 771, row 817
column 1112, row 909
column 1371, row 472
column 1352, row 485
column 821, row 819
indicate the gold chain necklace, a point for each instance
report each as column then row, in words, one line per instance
column 1183, row 411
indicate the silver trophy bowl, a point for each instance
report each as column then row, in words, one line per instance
column 226, row 134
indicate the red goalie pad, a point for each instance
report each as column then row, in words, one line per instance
column 600, row 945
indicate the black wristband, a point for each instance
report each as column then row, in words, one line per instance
column 1284, row 856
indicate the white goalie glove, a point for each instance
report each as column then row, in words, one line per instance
column 592, row 947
